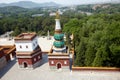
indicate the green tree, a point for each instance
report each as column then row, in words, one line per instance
column 17, row 31
column 80, row 55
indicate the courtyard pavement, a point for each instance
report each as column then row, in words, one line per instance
column 45, row 44
column 13, row 72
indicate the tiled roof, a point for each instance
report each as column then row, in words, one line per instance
column 4, row 50
column 26, row 36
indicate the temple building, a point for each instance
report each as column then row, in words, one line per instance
column 59, row 55
column 28, row 52
column 7, row 53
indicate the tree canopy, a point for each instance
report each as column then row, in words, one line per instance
column 97, row 40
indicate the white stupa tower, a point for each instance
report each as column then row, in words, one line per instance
column 59, row 57
column 59, row 44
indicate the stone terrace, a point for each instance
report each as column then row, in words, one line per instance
column 13, row 72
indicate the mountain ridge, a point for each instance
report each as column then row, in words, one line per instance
column 30, row 4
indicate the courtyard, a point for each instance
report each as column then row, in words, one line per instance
column 12, row 72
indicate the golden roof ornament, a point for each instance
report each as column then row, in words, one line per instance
column 57, row 15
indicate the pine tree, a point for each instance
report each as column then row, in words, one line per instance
column 80, row 55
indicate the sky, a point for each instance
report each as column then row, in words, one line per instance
column 61, row 1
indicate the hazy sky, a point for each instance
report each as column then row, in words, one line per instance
column 61, row 1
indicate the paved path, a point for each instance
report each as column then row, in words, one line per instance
column 13, row 72
column 45, row 44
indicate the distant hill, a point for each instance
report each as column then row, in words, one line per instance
column 12, row 10
column 29, row 4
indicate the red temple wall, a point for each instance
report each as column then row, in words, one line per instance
column 36, row 57
column 59, row 60
column 30, row 61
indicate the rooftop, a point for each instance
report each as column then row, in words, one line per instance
column 6, row 41
column 26, row 36
column 6, row 49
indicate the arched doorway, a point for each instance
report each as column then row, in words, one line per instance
column 58, row 66
column 25, row 65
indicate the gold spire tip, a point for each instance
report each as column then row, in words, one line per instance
column 57, row 15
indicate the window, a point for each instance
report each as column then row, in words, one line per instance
column 36, row 42
column 34, row 59
column 33, row 44
column 38, row 57
column 20, row 46
column 65, row 62
column 26, row 46
column 52, row 62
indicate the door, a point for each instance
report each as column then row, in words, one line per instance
column 58, row 66
column 25, row 65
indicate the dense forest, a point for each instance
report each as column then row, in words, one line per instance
column 96, row 36
column 96, row 39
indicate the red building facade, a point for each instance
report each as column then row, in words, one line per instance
column 59, row 61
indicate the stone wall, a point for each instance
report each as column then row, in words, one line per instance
column 95, row 69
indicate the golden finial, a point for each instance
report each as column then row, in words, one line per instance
column 57, row 15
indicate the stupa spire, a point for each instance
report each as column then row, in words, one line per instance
column 59, row 44
column 57, row 15
column 57, row 24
